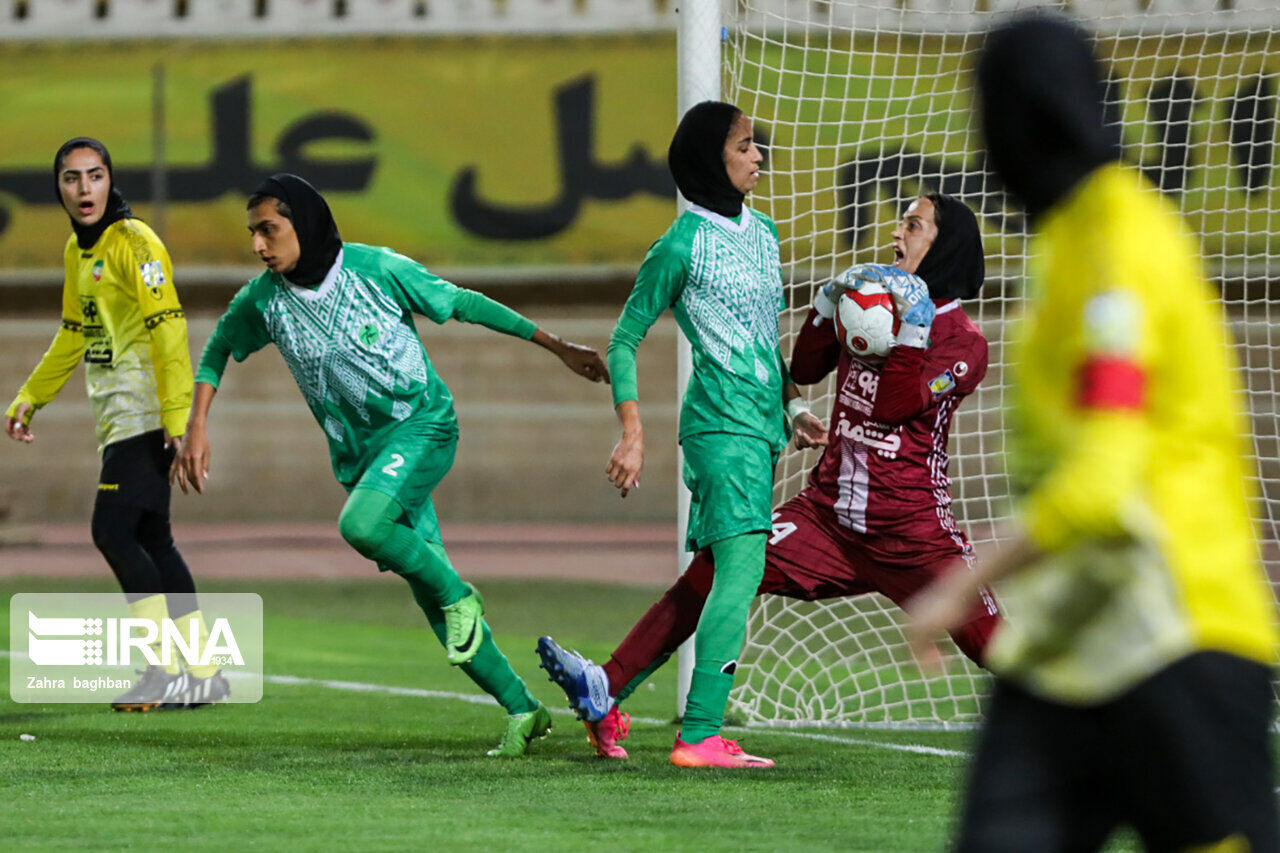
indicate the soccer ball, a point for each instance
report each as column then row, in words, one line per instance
column 866, row 321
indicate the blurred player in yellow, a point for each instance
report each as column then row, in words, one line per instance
column 120, row 313
column 1134, row 673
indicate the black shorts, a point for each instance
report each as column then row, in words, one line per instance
column 1184, row 758
column 135, row 472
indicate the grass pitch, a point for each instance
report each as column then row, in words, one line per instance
column 312, row 767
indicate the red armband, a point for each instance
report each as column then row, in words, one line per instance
column 1108, row 382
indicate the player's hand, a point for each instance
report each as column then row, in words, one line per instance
column 19, row 426
column 191, row 464
column 583, row 361
column 911, row 302
column 937, row 609
column 172, row 442
column 850, row 279
column 809, row 431
column 625, row 463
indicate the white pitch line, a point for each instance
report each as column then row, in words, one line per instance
column 484, row 699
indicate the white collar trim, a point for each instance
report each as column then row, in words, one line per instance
column 724, row 221
column 947, row 306
column 325, row 286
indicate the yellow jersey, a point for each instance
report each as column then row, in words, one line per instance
column 1129, row 457
column 120, row 312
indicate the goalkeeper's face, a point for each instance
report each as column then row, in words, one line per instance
column 274, row 240
column 742, row 158
column 914, row 235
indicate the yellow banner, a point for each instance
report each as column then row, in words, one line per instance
column 455, row 151
column 532, row 151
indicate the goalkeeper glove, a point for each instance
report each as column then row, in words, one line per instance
column 911, row 301
column 826, row 297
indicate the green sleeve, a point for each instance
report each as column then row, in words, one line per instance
column 240, row 332
column 658, row 285
column 473, row 307
column 417, row 289
column 421, row 291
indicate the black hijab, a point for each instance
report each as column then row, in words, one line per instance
column 696, row 157
column 116, row 209
column 1042, row 109
column 318, row 236
column 954, row 267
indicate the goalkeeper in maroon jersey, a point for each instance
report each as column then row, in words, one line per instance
column 876, row 514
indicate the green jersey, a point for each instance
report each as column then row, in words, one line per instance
column 352, row 347
column 722, row 280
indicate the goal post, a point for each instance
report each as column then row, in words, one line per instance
column 867, row 102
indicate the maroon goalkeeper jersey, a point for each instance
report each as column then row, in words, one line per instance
column 884, row 471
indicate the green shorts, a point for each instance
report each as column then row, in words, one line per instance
column 730, row 480
column 407, row 468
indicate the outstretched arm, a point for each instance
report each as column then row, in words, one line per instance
column 474, row 307
column 419, row 290
column 582, row 360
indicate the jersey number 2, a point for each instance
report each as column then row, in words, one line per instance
column 390, row 468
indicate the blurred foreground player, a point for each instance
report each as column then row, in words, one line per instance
column 1134, row 683
column 876, row 514
column 341, row 316
column 120, row 313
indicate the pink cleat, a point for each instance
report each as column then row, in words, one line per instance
column 715, row 751
column 605, row 734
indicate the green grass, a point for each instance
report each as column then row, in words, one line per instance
column 314, row 768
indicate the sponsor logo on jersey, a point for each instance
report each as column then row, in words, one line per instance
column 97, row 272
column 152, row 276
column 884, row 441
column 369, row 334
column 961, row 369
column 943, row 383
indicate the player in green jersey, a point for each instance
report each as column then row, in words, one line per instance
column 340, row 315
column 718, row 269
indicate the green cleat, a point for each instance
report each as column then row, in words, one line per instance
column 522, row 730
column 464, row 629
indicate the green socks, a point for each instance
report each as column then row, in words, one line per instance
column 489, row 669
column 369, row 524
column 722, row 630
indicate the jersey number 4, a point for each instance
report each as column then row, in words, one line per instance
column 781, row 529
column 390, row 468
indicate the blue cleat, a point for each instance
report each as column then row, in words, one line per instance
column 583, row 682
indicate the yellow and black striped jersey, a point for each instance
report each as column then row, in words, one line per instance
column 1128, row 456
column 120, row 311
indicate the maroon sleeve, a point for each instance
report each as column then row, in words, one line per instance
column 913, row 380
column 816, row 352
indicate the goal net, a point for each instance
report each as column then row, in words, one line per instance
column 866, row 102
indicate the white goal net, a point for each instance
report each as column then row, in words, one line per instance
column 866, row 103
